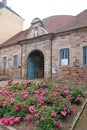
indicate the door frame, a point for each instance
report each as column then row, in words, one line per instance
column 41, row 56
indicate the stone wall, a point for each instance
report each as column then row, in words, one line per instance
column 9, row 52
column 75, row 41
column 45, row 48
column 23, row 50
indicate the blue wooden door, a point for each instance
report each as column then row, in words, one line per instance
column 31, row 67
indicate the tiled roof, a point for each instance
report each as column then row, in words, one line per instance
column 53, row 24
column 15, row 39
column 79, row 21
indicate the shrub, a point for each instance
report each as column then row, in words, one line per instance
column 37, row 102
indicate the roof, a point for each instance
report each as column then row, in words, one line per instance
column 53, row 24
column 15, row 39
column 79, row 21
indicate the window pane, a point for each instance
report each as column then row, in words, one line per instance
column 15, row 62
column 4, row 62
column 85, row 55
column 64, row 57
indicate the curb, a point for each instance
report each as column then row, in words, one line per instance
column 78, row 115
column 3, row 127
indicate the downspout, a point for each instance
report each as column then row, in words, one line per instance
column 21, row 61
column 51, row 55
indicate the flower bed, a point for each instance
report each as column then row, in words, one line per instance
column 3, row 75
column 45, row 105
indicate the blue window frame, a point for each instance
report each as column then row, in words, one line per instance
column 64, row 56
column 4, row 62
column 85, row 55
column 15, row 60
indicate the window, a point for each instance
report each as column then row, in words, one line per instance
column 64, row 57
column 85, row 55
column 4, row 62
column 36, row 31
column 15, row 61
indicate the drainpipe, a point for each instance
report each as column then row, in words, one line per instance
column 21, row 61
column 51, row 55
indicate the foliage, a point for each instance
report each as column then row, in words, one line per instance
column 40, row 102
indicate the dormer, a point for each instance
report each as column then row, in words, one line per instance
column 36, row 22
column 37, row 28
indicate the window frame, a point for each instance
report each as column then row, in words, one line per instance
column 4, row 62
column 85, row 55
column 15, row 61
column 64, row 54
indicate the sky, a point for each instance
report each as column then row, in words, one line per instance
column 30, row 9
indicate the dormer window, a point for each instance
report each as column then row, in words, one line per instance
column 36, row 31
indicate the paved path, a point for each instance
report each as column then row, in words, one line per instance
column 82, row 122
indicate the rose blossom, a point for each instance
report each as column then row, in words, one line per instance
column 17, row 108
column 63, row 113
column 53, row 114
column 26, row 96
column 42, row 119
column 32, row 108
column 66, row 91
column 17, row 120
column 78, row 98
column 11, row 122
column 28, row 117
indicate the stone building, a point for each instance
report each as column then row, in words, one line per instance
column 10, row 22
column 52, row 48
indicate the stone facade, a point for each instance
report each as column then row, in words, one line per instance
column 38, row 41
column 75, row 41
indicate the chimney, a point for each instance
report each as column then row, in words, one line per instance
column 4, row 2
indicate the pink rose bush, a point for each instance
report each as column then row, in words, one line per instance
column 49, row 105
column 10, row 121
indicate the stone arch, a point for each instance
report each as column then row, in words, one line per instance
column 35, row 65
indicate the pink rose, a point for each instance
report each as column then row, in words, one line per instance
column 17, row 120
column 17, row 108
column 11, row 122
column 6, row 122
column 41, row 100
column 63, row 113
column 78, row 98
column 66, row 91
column 26, row 96
column 42, row 119
column 71, row 108
column 28, row 117
column 53, row 114
column 32, row 108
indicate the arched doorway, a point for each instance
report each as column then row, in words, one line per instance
column 36, row 65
